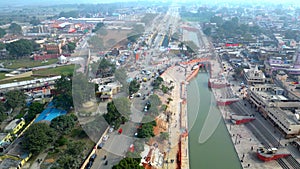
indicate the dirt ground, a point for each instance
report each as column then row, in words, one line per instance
column 114, row 36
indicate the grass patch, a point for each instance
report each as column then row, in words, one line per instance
column 2, row 76
column 61, row 70
column 26, row 62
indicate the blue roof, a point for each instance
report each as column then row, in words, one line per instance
column 50, row 113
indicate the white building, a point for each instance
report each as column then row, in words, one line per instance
column 254, row 76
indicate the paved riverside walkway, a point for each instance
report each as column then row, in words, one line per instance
column 178, row 120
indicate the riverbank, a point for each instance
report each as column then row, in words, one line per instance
column 178, row 155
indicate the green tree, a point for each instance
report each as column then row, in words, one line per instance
column 64, row 124
column 22, row 47
column 2, row 32
column 34, row 109
column 154, row 100
column 35, row 21
column 132, row 37
column 216, row 19
column 126, row 163
column 3, row 109
column 66, row 161
column 207, row 31
column 75, row 149
column 63, row 98
column 73, row 14
column 113, row 116
column 15, row 98
column 98, row 27
column 134, row 86
column 164, row 135
column 37, row 137
column 105, row 68
column 2, row 45
column 157, row 82
column 146, row 131
column 70, row 47
column 15, row 29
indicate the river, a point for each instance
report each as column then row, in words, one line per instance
column 210, row 145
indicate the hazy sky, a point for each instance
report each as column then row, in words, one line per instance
column 5, row 3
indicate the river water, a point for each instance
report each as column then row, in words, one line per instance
column 210, row 145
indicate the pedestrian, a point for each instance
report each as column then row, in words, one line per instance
column 251, row 148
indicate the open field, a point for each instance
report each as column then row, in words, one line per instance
column 26, row 62
column 68, row 69
column 16, row 80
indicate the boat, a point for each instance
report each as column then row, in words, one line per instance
column 240, row 119
column 227, row 101
column 270, row 154
column 217, row 83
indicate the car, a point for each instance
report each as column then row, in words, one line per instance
column 93, row 157
column 100, row 146
column 105, row 137
column 89, row 165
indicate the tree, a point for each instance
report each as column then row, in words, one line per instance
column 105, row 68
column 63, row 98
column 164, row 135
column 132, row 163
column 113, row 116
column 154, row 100
column 216, row 19
column 134, row 86
column 22, row 47
column 15, row 29
column 175, row 36
column 146, row 131
column 34, row 109
column 70, row 47
column 75, row 149
column 64, row 124
column 73, row 14
column 2, row 46
column 157, row 82
column 3, row 109
column 37, row 137
column 98, row 27
column 15, row 98
column 180, row 45
column 132, row 37
column 2, row 32
column 35, row 21
column 207, row 31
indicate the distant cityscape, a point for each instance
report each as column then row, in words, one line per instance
column 149, row 85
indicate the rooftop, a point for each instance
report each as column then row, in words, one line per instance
column 13, row 124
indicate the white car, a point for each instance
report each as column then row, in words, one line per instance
column 105, row 137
